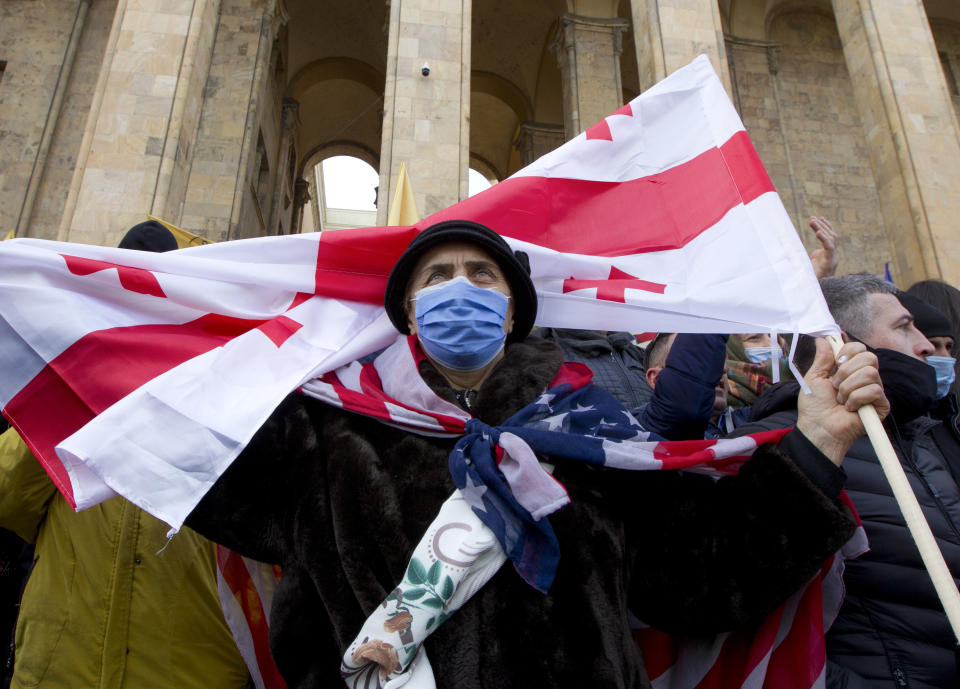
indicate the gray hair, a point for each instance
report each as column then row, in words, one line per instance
column 848, row 300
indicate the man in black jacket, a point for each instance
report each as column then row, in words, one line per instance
column 341, row 500
column 891, row 630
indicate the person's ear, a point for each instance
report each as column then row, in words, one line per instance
column 652, row 374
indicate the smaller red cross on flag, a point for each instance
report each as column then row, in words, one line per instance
column 132, row 279
column 613, row 288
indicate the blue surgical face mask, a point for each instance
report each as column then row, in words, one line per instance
column 758, row 355
column 944, row 366
column 459, row 324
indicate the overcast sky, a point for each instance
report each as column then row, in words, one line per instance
column 349, row 183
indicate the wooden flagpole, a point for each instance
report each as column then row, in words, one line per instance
column 919, row 529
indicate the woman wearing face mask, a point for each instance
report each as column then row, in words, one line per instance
column 343, row 492
column 749, row 368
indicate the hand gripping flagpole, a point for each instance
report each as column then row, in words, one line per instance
column 919, row 528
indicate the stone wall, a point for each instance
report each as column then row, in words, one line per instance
column 33, row 40
column 179, row 150
column 796, row 101
column 222, row 136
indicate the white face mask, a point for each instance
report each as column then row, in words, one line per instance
column 759, row 355
column 944, row 366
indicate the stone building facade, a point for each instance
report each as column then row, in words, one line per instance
column 213, row 113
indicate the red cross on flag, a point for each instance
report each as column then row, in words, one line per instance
column 146, row 374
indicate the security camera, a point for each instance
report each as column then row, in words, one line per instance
column 425, row 70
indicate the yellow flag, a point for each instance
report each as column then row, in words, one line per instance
column 9, row 236
column 403, row 208
column 184, row 238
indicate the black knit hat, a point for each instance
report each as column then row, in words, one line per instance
column 149, row 236
column 928, row 320
column 514, row 264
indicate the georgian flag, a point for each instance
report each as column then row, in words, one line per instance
column 146, row 374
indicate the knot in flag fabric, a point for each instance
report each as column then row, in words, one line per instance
column 498, row 471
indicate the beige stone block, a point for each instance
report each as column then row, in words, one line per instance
column 410, row 14
column 148, row 125
column 223, row 188
column 408, row 71
column 138, row 83
column 422, row 130
column 448, row 152
column 403, row 107
column 231, row 129
column 149, row 43
column 164, row 86
column 403, row 149
column 408, row 47
column 403, row 129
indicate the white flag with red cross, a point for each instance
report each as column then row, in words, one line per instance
column 146, row 374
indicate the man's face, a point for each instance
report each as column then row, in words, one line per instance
column 893, row 328
column 453, row 259
column 942, row 346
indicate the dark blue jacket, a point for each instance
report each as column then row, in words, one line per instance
column 683, row 398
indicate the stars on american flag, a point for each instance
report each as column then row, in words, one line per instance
column 555, row 422
column 545, row 400
column 473, row 494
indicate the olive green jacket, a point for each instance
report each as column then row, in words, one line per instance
column 103, row 609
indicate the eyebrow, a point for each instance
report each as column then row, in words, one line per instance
column 476, row 265
column 436, row 267
column 448, row 267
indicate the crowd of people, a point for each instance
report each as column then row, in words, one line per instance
column 344, row 504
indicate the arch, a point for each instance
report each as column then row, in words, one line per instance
column 504, row 90
column 752, row 18
column 779, row 8
column 485, row 168
column 340, row 100
column 327, row 68
column 338, row 148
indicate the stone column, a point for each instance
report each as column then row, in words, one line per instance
column 283, row 221
column 426, row 116
column 670, row 33
column 911, row 132
column 146, row 82
column 536, row 138
column 301, row 194
column 588, row 53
